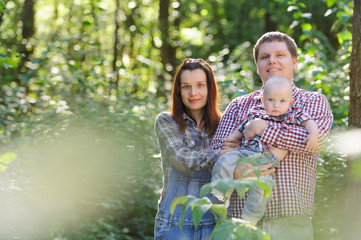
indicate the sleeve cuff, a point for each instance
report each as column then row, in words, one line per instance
column 273, row 134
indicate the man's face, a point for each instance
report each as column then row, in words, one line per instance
column 274, row 59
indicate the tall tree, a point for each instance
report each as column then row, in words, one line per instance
column 167, row 51
column 28, row 31
column 116, row 43
column 355, row 69
column 354, row 163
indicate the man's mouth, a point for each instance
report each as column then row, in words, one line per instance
column 273, row 70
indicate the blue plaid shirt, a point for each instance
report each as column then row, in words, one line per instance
column 187, row 152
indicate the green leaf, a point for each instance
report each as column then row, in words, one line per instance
column 207, row 188
column 220, row 210
column 224, row 230
column 191, row 200
column 176, row 201
column 266, row 190
column 306, row 28
column 7, row 158
column 330, row 3
column 198, row 212
column 343, row 36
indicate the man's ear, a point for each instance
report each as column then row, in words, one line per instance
column 263, row 101
column 294, row 63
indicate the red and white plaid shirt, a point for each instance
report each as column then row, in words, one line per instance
column 296, row 177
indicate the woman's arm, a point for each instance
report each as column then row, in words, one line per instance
column 180, row 150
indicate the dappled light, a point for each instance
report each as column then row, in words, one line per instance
column 81, row 83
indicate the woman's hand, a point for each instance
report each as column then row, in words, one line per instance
column 243, row 167
column 230, row 143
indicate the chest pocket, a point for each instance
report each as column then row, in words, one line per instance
column 189, row 186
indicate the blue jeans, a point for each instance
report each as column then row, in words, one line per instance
column 255, row 204
column 169, row 229
column 182, row 184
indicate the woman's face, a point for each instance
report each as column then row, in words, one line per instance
column 194, row 90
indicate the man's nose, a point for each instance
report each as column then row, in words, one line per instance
column 272, row 59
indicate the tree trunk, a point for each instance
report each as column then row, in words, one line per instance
column 354, row 117
column 269, row 25
column 167, row 52
column 115, row 46
column 354, row 162
column 28, row 30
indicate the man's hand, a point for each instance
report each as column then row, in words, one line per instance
column 241, row 168
column 311, row 142
column 254, row 128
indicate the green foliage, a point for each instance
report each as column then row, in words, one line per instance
column 6, row 159
column 225, row 228
column 238, row 229
column 96, row 114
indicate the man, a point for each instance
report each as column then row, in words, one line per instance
column 288, row 214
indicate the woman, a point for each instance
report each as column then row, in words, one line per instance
column 184, row 137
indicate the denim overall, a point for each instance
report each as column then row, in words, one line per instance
column 182, row 184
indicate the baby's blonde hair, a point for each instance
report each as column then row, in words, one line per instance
column 274, row 81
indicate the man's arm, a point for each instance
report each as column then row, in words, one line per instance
column 312, row 138
column 228, row 123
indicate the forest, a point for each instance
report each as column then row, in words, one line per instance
column 81, row 82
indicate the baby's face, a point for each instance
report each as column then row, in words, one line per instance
column 277, row 101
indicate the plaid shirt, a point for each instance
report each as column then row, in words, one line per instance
column 292, row 116
column 187, row 152
column 296, row 177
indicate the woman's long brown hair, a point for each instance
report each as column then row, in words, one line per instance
column 211, row 115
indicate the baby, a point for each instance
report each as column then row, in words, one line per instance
column 277, row 106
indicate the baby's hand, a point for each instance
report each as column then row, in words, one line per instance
column 311, row 142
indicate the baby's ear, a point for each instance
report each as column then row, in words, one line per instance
column 292, row 101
